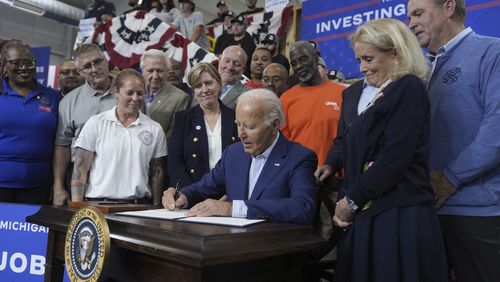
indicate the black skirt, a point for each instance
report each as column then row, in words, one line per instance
column 402, row 244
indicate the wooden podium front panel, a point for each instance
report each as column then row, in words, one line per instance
column 158, row 250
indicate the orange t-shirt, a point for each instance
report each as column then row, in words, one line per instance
column 312, row 115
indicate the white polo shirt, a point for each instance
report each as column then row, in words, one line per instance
column 122, row 155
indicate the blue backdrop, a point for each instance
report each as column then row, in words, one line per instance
column 329, row 22
column 42, row 55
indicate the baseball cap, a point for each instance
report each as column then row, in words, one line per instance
column 240, row 19
column 271, row 39
column 221, row 3
column 228, row 14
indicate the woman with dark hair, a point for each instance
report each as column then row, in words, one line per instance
column 166, row 11
column 200, row 133
column 28, row 122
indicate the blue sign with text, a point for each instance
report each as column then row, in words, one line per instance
column 42, row 55
column 329, row 23
column 22, row 244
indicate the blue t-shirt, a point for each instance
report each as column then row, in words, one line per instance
column 27, row 132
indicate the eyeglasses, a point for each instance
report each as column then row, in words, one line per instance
column 94, row 64
column 274, row 79
column 19, row 63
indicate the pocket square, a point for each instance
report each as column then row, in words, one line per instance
column 276, row 164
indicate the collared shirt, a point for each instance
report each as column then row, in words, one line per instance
column 226, row 90
column 366, row 96
column 115, row 145
column 149, row 101
column 239, row 207
column 77, row 107
column 27, row 127
column 452, row 43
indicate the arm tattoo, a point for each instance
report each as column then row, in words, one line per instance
column 157, row 178
column 83, row 161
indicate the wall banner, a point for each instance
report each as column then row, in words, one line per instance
column 329, row 23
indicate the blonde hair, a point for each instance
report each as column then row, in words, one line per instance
column 388, row 35
column 125, row 75
column 196, row 71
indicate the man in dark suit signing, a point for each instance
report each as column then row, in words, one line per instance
column 263, row 176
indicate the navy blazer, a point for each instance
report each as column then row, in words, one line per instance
column 188, row 144
column 391, row 138
column 285, row 190
column 349, row 112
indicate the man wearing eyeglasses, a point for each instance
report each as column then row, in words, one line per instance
column 28, row 121
column 93, row 97
column 69, row 78
column 275, row 78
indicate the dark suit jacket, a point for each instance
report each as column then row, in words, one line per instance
column 285, row 190
column 188, row 144
column 349, row 112
column 167, row 102
column 391, row 138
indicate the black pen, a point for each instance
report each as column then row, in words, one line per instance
column 177, row 188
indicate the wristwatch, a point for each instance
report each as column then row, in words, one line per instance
column 351, row 203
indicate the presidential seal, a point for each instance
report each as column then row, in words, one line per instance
column 87, row 245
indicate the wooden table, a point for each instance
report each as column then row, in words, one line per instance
column 157, row 250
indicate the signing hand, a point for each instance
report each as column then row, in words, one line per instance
column 322, row 173
column 211, row 207
column 168, row 201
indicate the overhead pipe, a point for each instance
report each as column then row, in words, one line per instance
column 51, row 9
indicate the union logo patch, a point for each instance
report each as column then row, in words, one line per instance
column 87, row 245
column 146, row 137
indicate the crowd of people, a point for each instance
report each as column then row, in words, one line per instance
column 411, row 150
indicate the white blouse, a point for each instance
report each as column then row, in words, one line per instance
column 214, row 142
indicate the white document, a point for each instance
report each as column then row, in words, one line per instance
column 181, row 216
column 221, row 220
column 157, row 213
